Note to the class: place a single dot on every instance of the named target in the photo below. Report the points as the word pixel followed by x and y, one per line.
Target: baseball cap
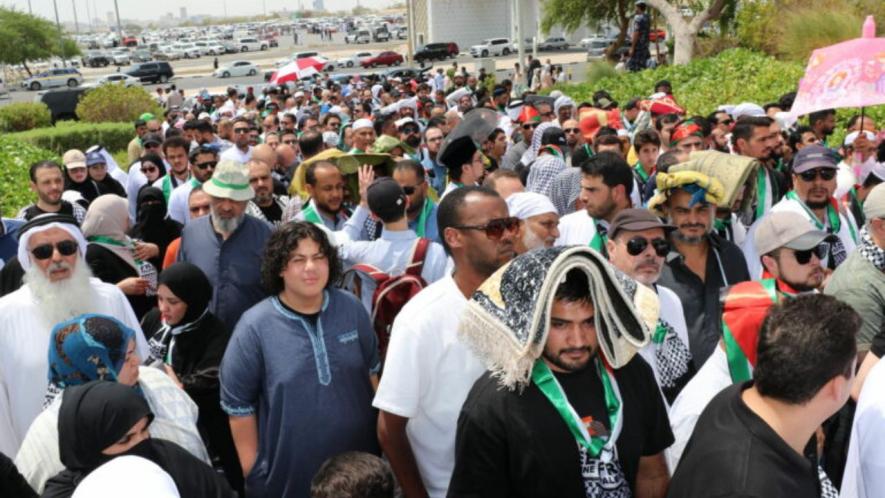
pixel 788 229
pixel 74 158
pixel 747 109
pixel 874 205
pixel 814 156
pixel 634 220
pixel 95 158
pixel 151 138
pixel 386 198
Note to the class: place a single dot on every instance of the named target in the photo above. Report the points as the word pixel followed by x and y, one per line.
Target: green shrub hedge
pixel 78 135
pixel 22 116
pixel 116 103
pixel 16 158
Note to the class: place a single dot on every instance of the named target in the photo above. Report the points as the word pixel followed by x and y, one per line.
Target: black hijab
pixel 151 223
pixel 155 160
pixel 87 188
pixel 96 415
pixel 188 282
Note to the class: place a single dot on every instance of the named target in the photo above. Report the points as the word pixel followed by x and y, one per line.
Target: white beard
pixel 64 299
pixel 532 241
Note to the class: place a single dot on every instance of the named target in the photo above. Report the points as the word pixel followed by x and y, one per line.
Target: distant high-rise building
pixel 183 12
pixel 318 5
pixel 112 19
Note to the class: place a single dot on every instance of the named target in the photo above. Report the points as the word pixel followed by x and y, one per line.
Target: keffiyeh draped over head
pixel 701 186
pixel 507 319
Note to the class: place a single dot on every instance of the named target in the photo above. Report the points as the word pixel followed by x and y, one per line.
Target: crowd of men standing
pixel 226 316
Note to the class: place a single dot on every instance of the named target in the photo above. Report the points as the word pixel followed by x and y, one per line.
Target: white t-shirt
pixel 235 154
pixel 178 209
pixel 427 375
pixel 577 228
pixel 712 378
pixel 864 475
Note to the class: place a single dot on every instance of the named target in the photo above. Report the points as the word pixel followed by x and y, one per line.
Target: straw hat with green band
pixel 230 181
pixel 385 143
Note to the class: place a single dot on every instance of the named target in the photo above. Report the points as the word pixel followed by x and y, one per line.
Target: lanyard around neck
pixel 552 390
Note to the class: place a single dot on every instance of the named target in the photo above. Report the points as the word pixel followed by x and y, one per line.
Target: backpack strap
pixel 419 252
pixel 373 272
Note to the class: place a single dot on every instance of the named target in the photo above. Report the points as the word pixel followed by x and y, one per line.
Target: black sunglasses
pixel 65 248
pixel 825 174
pixel 804 257
pixel 149 169
pixel 241 130
pixel 527 126
pixel 494 229
pixel 637 245
pixel 409 190
pixel 571 130
pixel 410 130
pixel 208 164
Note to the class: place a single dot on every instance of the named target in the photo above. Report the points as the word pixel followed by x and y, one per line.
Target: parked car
pixel 386 58
pixel 657 35
pixel 62 103
pixel 381 35
pixel 118 79
pixel 236 68
pixel 154 72
pixel 596 49
pixel 96 59
pixel 433 52
pixel 553 43
pixel 406 73
pixel 304 55
pixel 66 76
pixel 141 56
pixel 189 50
pixel 251 44
pixel 230 46
pixel 401 33
pixel 130 41
pixel 355 60
pixel 121 57
pixel 491 47
pixel 272 42
pixel 216 49
pixel 360 36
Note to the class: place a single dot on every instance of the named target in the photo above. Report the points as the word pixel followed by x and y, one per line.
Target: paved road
pixel 196 74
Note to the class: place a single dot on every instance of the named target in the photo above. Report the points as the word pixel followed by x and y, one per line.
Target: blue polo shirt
pixel 9 240
pixel 233 266
pixel 308 385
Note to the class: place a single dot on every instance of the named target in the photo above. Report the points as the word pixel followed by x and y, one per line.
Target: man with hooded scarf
pixel 58 286
pixel 567 408
pixel 549 160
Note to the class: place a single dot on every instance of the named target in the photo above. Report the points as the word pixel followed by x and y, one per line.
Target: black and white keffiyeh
pixel 870 251
pixel 507 319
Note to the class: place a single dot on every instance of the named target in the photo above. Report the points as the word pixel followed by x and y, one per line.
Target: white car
pixel 251 44
pixel 355 60
pixel 491 48
pixel 215 49
pixel 189 50
pixel 118 79
pixel 121 57
pixel 236 68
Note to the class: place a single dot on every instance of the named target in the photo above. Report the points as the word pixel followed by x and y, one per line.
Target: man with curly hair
pixel 297 377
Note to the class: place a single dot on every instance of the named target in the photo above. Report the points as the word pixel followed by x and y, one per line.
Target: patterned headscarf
pixel 87 347
pixel 507 319
pixel 701 186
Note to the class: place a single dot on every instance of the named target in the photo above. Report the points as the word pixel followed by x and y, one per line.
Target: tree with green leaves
pixel 572 14
pixel 25 37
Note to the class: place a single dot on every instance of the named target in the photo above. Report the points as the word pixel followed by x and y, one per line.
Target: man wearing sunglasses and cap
pixel 791 250
pixel 814 181
pixel 202 164
pixel 637 245
pixel 527 121
pixel 58 286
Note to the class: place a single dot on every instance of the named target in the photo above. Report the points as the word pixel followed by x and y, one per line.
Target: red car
pixel 657 35
pixel 386 58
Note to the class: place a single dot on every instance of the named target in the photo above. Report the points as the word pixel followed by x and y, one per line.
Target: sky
pixel 134 9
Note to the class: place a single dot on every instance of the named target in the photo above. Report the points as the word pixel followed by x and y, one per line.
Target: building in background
pixel 183 12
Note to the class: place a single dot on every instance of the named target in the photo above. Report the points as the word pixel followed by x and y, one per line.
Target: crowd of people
pixel 443 287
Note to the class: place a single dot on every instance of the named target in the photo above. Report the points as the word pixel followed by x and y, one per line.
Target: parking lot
pixel 196 74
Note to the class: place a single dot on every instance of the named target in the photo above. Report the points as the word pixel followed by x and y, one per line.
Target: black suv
pixel 154 72
pixel 432 51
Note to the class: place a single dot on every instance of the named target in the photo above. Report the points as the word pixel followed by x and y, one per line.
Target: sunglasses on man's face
pixel 825 174
pixel 495 228
pixel 529 126
pixel 571 130
pixel 241 130
pixel 207 164
pixel 410 130
pixel 804 257
pixel 65 248
pixel 637 246
pixel 409 189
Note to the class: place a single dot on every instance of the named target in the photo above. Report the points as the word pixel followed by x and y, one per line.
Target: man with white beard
pixel 637 245
pixel 57 286
pixel 538 221
pixel 228 245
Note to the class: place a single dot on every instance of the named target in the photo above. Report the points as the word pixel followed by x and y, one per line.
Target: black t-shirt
pixel 733 452
pixel 515 444
pixel 34 211
pixel 273 213
pixel 311 318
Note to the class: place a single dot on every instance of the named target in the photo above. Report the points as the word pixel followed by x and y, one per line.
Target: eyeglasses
pixel 572 130
pixel 494 229
pixel 241 130
pixel 727 122
pixel 637 245
pixel 150 169
pixel 410 130
pixel 207 164
pixel 804 257
pixel 825 174
pixel 65 248
pixel 527 126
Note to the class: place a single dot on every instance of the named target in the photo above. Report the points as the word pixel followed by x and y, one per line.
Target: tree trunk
pixel 683 49
pixel 684 31
pixel 25 65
